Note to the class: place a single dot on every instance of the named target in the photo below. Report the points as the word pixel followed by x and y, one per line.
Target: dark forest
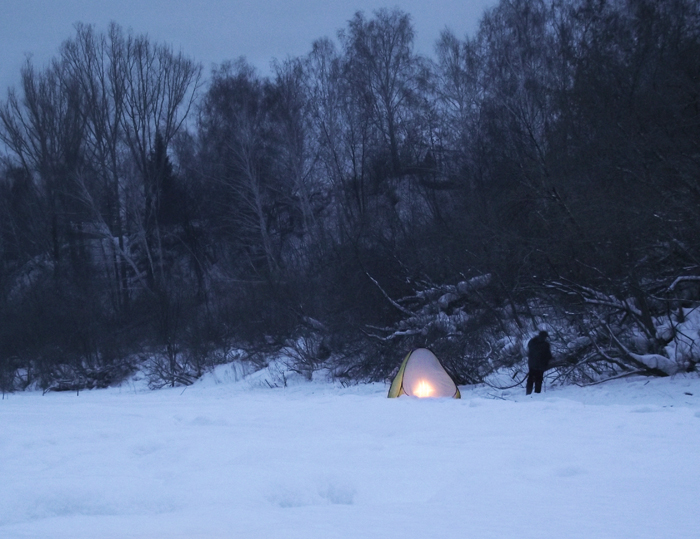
pixel 360 201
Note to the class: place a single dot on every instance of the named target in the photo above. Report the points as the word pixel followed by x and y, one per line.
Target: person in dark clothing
pixel 538 356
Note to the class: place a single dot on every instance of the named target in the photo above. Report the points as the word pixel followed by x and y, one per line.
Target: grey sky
pixel 212 31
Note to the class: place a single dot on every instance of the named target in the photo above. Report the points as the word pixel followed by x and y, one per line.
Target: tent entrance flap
pixel 421 375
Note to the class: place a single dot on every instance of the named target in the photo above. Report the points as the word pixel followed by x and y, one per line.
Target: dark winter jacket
pixel 538 353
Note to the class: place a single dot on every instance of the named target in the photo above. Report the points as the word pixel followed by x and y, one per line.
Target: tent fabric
pixel 422 375
pixel 396 389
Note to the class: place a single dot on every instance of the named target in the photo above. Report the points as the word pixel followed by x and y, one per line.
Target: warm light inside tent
pixel 424 389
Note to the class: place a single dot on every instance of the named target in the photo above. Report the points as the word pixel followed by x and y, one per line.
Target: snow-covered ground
pixel 236 459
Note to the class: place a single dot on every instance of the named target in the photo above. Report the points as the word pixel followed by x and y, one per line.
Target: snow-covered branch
pixel 681 279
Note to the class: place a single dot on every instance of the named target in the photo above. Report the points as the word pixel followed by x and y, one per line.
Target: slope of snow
pixel 232 458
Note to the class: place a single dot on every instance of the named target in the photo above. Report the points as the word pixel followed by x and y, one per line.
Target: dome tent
pixel 422 375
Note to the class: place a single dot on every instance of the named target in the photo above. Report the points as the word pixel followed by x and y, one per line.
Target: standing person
pixel 538 356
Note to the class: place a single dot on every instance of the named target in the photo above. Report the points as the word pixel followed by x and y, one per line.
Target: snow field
pixel 619 460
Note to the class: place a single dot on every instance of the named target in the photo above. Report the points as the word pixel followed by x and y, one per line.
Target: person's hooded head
pixel 543 335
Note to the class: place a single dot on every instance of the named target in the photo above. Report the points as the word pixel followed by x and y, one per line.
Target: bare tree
pixel 45 130
pixel 385 72
pixel 160 89
pixel 234 125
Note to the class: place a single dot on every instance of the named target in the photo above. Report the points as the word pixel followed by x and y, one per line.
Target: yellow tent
pixel 422 375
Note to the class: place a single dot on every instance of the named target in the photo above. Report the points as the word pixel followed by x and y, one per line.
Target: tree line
pixel 359 201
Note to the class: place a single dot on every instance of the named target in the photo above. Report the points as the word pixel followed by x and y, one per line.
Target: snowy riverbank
pixel 234 459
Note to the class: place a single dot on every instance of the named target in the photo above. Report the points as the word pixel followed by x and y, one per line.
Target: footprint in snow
pixel 644 410
pixel 569 471
pixel 326 493
pixel 146 449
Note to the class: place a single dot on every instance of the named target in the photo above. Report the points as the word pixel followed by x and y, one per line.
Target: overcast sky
pixel 212 31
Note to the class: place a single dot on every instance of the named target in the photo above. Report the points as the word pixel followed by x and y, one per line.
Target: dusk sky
pixel 211 31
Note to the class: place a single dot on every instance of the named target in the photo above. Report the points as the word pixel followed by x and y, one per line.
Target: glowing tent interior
pixel 422 375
